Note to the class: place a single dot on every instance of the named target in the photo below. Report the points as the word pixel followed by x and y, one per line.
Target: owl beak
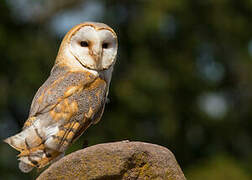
pixel 96 53
pixel 97 57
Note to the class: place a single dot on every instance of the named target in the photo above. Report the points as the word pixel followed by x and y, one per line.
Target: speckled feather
pixel 71 112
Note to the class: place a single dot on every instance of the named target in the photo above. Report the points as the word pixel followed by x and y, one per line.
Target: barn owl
pixel 71 99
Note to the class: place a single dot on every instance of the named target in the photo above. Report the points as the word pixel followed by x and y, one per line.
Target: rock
pixel 118 160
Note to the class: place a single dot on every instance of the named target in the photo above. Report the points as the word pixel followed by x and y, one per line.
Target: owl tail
pixel 33 152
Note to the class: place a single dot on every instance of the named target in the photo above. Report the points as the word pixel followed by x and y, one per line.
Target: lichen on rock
pixel 119 160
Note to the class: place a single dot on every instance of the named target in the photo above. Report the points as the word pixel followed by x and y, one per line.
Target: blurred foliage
pixel 219 167
pixel 182 79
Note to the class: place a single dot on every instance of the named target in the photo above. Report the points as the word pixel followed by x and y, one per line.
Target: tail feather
pixel 25 139
pixel 17 142
pixel 24 167
pixel 33 152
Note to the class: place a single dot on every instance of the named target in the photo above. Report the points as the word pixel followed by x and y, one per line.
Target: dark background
pixel 183 77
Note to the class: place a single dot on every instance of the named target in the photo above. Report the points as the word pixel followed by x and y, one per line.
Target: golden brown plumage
pixel 71 99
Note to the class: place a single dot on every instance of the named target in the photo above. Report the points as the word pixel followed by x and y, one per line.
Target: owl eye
pixel 105 45
pixel 84 44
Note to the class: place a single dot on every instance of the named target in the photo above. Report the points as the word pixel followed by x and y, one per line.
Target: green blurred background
pixel 183 78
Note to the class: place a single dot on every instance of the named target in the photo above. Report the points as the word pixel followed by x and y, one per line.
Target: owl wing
pixel 59 85
pixel 86 106
pixel 65 106
pixel 62 109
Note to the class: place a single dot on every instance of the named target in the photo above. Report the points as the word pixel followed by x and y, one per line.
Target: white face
pixel 94 49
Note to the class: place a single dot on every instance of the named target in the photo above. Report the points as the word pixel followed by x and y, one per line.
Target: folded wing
pixel 62 109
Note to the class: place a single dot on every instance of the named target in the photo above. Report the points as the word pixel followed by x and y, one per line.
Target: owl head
pixel 93 45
